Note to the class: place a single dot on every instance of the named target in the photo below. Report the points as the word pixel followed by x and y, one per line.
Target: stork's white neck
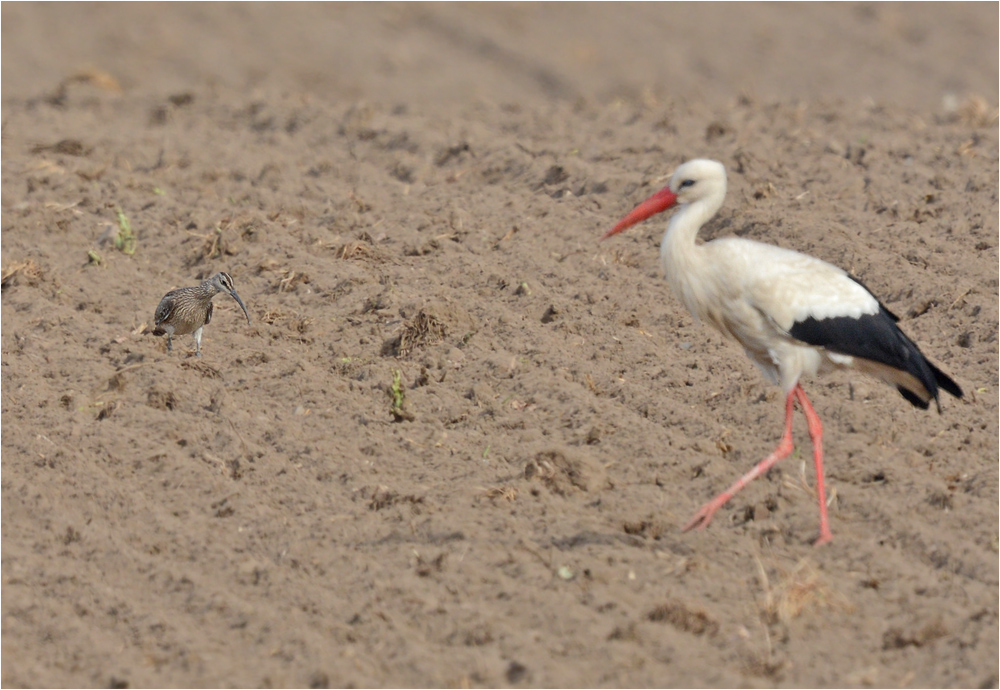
pixel 679 247
pixel 682 258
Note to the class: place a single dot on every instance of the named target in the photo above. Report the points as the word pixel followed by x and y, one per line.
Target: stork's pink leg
pixel 704 515
pixel 816 434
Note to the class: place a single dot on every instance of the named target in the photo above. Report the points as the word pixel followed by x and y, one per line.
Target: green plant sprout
pixel 125 240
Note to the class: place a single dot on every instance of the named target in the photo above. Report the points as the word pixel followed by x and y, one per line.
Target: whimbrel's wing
pixel 165 308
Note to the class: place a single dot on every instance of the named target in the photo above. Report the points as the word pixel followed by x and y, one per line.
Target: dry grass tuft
pixel 625 257
pixel 800 484
pixel 225 238
pixel 289 279
pixel 96 78
pixel 652 529
pixel 271 316
pixel 975 112
pixel 89 76
pixel 565 471
pixel 26 270
pixel 213 245
pixel 508 493
pixel 796 591
pixel 108 409
pixel 359 251
pixel 422 329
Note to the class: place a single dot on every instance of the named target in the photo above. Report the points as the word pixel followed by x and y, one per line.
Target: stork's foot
pixel 706 513
pixel 825 537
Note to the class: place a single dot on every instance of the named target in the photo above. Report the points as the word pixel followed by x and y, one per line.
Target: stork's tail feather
pixel 932 384
pixel 945 381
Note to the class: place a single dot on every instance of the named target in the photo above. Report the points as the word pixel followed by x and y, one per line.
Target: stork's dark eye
pixel 686 183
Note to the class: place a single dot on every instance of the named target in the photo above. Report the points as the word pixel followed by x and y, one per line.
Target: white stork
pixel 793 314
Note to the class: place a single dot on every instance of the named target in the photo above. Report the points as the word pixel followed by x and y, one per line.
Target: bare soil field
pixel 457 443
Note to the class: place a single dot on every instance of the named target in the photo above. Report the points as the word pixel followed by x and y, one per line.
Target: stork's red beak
pixel 657 203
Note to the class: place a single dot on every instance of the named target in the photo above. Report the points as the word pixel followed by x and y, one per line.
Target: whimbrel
pixel 188 310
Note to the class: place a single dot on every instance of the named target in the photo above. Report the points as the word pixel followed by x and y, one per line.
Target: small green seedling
pixel 398 401
pixel 125 240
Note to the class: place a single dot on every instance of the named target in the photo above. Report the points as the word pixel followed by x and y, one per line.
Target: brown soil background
pixel 420 189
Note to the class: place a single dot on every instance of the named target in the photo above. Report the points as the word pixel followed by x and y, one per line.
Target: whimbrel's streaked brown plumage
pixel 188 310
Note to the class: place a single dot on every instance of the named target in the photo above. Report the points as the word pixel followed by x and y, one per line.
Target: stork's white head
pixel 697 180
